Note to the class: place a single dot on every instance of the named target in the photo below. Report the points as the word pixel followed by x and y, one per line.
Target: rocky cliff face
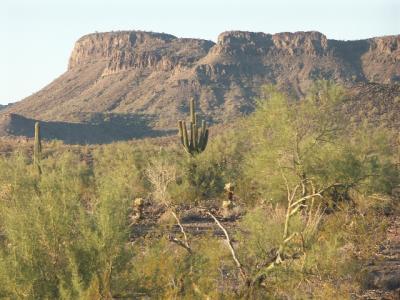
pixel 123 51
pixel 381 63
pixel 286 43
pixel 154 74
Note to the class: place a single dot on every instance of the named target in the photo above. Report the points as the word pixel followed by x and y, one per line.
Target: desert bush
pixel 206 174
pixel 61 237
pixel 179 274
pixel 161 175
pixel 334 256
pixel 312 142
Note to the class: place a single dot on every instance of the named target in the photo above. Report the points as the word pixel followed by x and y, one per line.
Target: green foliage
pixel 202 177
pixel 179 275
pixel 59 236
pixel 264 228
pixel 67 233
pixel 311 140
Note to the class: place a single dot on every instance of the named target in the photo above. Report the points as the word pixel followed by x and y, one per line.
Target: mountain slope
pixel 152 74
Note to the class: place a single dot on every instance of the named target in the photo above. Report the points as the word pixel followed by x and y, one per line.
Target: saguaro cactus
pixel 196 141
pixel 37 148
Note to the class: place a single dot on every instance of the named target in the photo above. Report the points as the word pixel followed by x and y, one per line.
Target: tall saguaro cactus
pixel 37 148
pixel 196 141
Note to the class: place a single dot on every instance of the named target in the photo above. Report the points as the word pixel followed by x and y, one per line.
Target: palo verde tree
pixel 194 142
pixel 313 142
pixel 305 158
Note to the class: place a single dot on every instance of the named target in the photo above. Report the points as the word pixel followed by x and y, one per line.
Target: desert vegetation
pixel 290 202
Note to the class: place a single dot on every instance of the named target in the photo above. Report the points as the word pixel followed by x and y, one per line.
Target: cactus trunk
pixel 37 148
pixel 198 135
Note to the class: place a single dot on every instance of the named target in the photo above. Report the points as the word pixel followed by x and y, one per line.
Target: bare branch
pixel 186 243
pixel 180 243
pixel 290 237
pixel 294 211
pixel 305 198
pixel 229 242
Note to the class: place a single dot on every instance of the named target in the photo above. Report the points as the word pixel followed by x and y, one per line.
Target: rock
pixel 148 77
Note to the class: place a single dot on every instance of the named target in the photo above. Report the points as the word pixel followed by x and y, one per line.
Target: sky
pixel 37 36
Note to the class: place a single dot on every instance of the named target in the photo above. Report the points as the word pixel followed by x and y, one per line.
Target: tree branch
pixel 229 242
pixel 186 243
pixel 180 243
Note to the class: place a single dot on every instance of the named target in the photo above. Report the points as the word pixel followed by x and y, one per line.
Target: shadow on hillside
pixel 98 129
pixel 351 52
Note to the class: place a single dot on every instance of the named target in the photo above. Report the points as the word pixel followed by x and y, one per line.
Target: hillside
pixel 131 75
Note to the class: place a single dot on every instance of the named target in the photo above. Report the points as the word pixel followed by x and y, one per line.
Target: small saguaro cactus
pixel 228 205
pixel 229 188
pixel 137 210
pixel 37 148
pixel 196 142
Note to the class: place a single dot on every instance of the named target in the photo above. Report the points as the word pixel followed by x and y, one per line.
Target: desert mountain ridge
pixel 136 83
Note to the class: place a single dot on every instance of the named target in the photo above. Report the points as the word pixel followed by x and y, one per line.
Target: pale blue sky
pixel 37 36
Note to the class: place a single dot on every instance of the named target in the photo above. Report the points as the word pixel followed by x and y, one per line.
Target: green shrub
pixel 61 235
